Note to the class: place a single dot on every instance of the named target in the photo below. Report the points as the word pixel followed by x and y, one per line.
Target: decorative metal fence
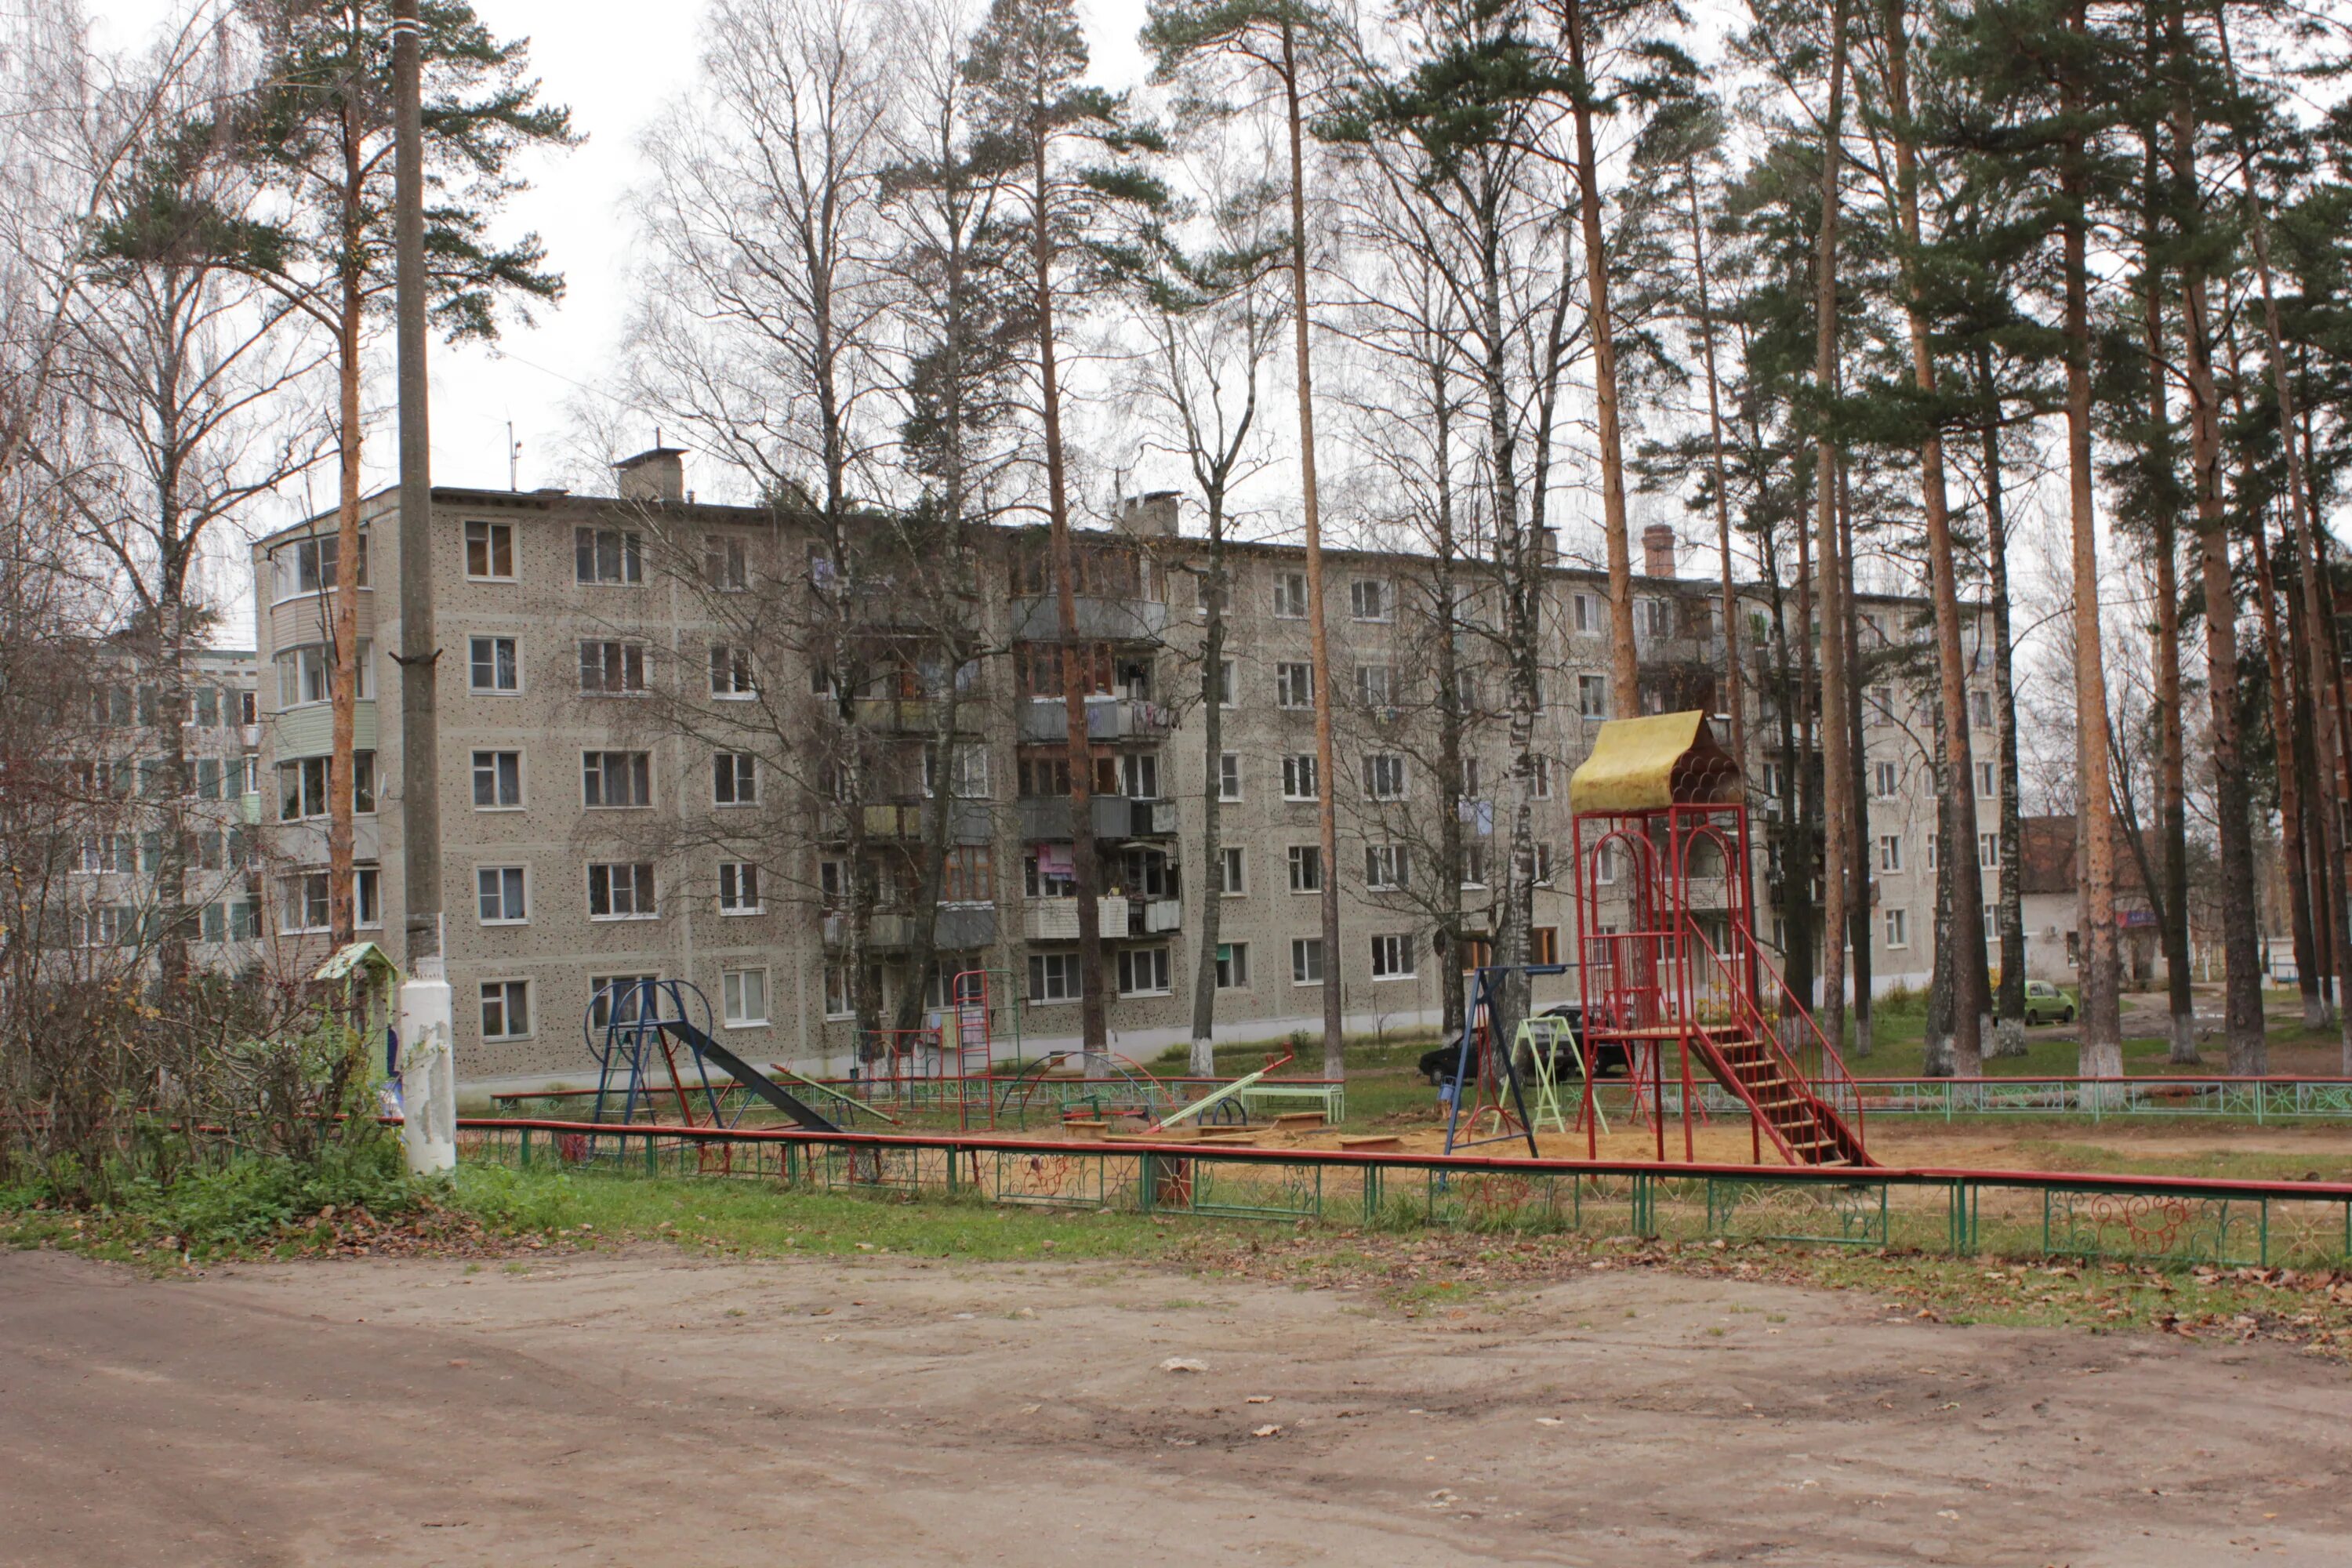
pixel 2005 1213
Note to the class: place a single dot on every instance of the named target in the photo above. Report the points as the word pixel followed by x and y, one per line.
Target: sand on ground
pixel 642 1408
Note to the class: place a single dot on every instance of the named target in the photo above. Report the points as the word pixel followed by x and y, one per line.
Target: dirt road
pixel 641 1409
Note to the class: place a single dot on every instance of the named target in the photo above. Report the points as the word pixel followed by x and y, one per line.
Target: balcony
pixel 919 715
pixel 968 821
pixel 1151 917
pixel 954 927
pixel 1057 920
pixel 1119 719
pixel 310 731
pixel 1035 618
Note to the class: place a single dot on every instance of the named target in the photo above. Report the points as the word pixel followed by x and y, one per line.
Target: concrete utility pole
pixel 428 1088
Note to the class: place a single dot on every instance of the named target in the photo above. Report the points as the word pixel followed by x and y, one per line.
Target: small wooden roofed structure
pixel 1651 764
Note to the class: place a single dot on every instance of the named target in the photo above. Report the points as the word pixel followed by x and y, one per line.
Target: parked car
pixel 1437 1066
pixel 2045 1002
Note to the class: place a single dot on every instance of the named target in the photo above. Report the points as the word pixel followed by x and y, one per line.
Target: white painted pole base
pixel 428 1079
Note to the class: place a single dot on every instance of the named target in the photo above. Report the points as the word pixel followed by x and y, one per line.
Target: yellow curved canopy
pixel 1652 762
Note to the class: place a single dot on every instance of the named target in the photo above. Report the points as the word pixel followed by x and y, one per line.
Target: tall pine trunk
pixel 1837 770
pixel 1335 1059
pixel 2100 1053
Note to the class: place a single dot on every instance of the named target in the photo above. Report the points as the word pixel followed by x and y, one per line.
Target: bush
pixel 254 1198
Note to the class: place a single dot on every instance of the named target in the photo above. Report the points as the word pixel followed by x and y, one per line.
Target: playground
pixel 643 1408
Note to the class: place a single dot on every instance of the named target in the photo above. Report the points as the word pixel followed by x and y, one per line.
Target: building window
pixel 1294 685
pixel 1882 780
pixel 248 707
pixel 1367 599
pixel 1392 957
pixel 607 556
pixel 1899 928
pixel 1229 776
pixel 1232 965
pixel 731 672
pixel 839 1000
pixel 367 895
pixel 1053 977
pixel 1307 960
pixel 1604 864
pixel 738 886
pixel 1988 850
pixel 498 781
pixel 1143 971
pixel 1305 869
pixel 1474 865
pixel 305 675
pixel 1987 783
pixel 1882 705
pixel 621 890
pixel 1384 775
pixel 489 552
pixel 1890 852
pixel 494 666
pixel 1298 777
pixel 303 904
pixel 612 668
pixel 1657 618
pixel 308 565
pixel 1931 851
pixel 1290 595
pixel 1592 696
pixel 1981 710
pixel 743 993
pixel 506 1009
pixel 1387 866
pixel 1584 612
pixel 734 779
pixel 1540 776
pixel 1543 945
pixel 498 893
pixel 1232 868
pixel 1224 683
pixel 616 778
pixel 302 789
pixel 1372 685
pixel 1139 773
pixel 1542 867
pixel 725 565
pixel 618 998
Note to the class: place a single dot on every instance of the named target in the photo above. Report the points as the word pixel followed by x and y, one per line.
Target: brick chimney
pixel 1658 550
pixel 1154 514
pixel 656 474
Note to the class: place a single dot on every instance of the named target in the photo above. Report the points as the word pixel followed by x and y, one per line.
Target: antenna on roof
pixel 514 452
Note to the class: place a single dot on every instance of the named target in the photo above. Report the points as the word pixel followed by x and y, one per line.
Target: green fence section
pixel 2001 1213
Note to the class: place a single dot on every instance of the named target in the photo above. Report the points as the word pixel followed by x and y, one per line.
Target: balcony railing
pixel 1035 618
pixel 954 927
pixel 968 821
pixel 1117 719
pixel 1048 818
pixel 1057 920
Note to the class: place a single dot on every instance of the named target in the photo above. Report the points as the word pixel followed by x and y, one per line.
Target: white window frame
pixel 1393 956
pixel 1890 852
pixel 1302 859
pixel 1898 927
pixel 1229 777
pixel 474 646
pixel 1232 969
pixel 1290 595
pixel 1388 868
pixel 643 887
pixel 522 794
pixel 1307 960
pixel 632 770
pixel 1071 980
pixel 508 987
pixel 1368 600
pixel 1298 767
pixel 1294 686
pixel 523 885
pixel 1232 871
pixel 493 535
pixel 1385 777
pixel 735 879
pixel 628 549
pixel 734 781
pixel 731 679
pixel 733 1015
pixel 629 655
pixel 1133 961
pixel 1592 696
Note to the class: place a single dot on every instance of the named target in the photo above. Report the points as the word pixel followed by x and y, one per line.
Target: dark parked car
pixel 1437 1066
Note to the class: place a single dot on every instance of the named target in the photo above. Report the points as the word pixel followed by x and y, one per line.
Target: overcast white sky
pixel 612 64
